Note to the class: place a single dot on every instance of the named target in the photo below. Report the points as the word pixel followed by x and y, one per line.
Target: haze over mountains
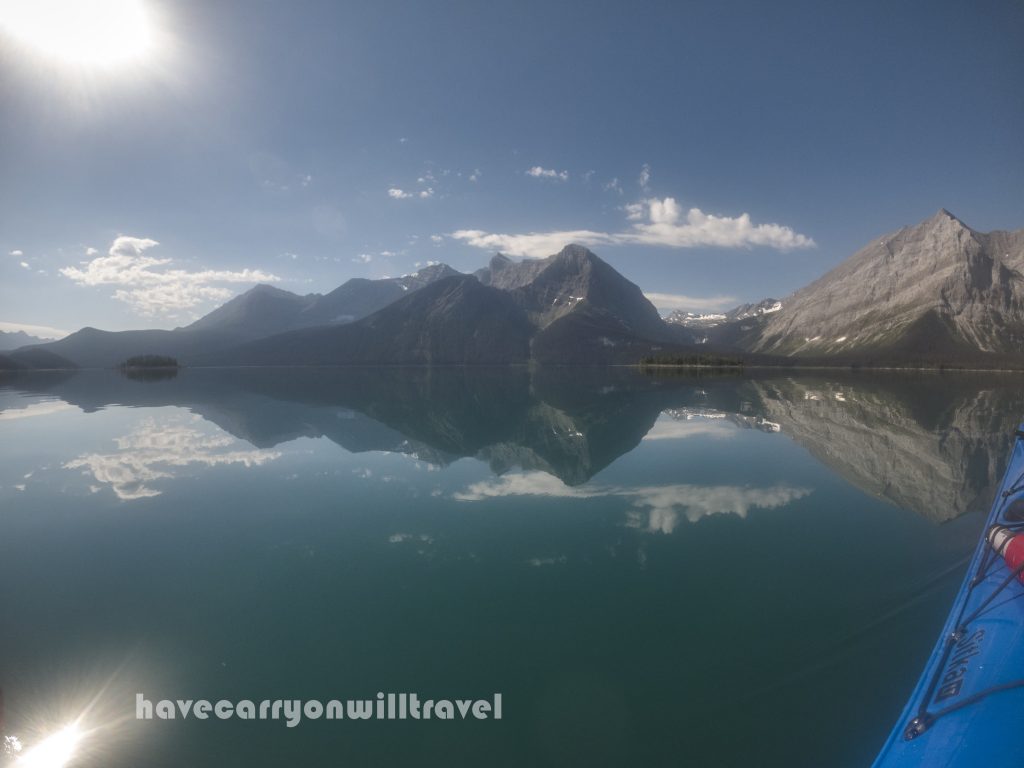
pixel 934 293
pixel 15 339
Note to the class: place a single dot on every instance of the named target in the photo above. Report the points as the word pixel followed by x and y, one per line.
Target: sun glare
pixel 99 34
pixel 55 751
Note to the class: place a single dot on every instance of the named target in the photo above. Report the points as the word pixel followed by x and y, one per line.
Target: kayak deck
pixel 968 707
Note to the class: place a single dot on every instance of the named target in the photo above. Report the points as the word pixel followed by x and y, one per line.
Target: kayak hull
pixel 968 707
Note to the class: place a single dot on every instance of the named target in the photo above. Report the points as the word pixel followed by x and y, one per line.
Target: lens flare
pixel 97 34
pixel 55 751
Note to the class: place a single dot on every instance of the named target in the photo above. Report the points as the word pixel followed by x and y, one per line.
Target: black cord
pixel 924 719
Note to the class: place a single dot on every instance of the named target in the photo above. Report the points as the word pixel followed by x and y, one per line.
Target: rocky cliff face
pixel 935 290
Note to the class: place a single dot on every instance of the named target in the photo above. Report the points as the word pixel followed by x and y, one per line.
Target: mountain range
pixel 936 293
pixel 569 308
pixel 708 320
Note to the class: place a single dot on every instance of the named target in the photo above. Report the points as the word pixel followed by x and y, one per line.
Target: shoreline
pixel 529 364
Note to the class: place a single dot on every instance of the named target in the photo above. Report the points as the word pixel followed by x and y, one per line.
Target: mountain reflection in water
pixel 931 443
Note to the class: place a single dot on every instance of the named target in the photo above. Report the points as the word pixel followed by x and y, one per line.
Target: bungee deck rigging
pixel 968 706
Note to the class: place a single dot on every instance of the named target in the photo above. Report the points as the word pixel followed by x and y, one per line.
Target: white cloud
pixel 655 509
pixel 42 331
pixel 32 410
pixel 654 222
pixel 91 251
pixel 399 194
pixel 666 226
pixel 547 173
pixel 150 286
pixel 436 239
pixel 428 192
pixel 666 301
pixel 644 179
pixel 160 450
pixel 532 245
pixel 672 429
pixel 24 265
pixel 527 484
pixel 659 509
pixel 363 258
pixel 476 174
pixel 17 253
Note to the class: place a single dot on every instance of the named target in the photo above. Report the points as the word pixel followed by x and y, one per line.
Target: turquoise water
pixel 666 570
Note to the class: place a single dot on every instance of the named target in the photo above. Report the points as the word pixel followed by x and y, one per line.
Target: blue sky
pixel 307 142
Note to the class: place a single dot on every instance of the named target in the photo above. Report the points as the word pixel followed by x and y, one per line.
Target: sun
pixel 94 34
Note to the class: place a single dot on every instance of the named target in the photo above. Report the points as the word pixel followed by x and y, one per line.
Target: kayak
pixel 968 706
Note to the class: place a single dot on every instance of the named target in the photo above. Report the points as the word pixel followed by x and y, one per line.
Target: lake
pixel 670 569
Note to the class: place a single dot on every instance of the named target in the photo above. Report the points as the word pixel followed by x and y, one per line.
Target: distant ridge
pixel 15 339
pixel 569 308
pixel 261 311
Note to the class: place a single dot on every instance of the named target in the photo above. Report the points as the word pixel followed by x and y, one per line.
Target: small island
pixel 690 361
pixel 150 367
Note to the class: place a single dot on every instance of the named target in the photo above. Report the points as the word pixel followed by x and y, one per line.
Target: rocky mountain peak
pixel 576 253
pixel 943 223
pixel 499 261
pixel 937 290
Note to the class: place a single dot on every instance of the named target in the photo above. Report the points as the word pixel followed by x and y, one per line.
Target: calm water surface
pixel 714 571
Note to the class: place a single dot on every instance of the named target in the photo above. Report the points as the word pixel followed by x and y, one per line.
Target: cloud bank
pixel 150 286
pixel 654 222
